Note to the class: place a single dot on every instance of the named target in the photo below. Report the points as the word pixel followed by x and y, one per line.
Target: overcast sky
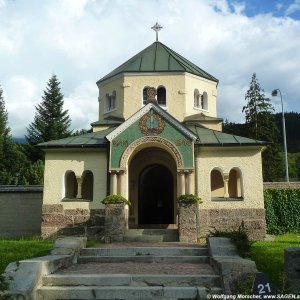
pixel 82 40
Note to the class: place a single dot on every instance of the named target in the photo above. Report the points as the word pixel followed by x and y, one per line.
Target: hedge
pixel 282 210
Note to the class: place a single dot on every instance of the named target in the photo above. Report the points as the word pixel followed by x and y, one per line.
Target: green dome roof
pixel 158 58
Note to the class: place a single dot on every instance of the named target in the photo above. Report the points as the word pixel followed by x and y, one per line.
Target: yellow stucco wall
pixel 108 87
pixel 56 165
pixel 179 93
pixel 247 160
pixel 193 82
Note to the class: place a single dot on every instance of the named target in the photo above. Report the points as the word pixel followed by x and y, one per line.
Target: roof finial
pixel 157 28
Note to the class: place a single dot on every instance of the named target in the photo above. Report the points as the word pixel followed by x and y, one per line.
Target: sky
pixel 82 40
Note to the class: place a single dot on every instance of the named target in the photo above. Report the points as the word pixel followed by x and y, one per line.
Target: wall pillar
pixel 181 183
pixel 226 179
pixel 114 183
pixel 190 186
pixel 79 187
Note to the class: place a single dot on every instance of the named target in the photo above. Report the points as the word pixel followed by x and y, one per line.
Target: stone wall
pixel 115 222
pixel 282 185
pixel 20 210
pixel 228 219
pixel 57 221
pixel 187 222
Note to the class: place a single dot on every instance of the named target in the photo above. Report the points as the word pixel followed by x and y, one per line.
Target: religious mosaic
pixel 152 124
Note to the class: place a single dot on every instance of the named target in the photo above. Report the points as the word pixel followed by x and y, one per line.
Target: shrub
pixel 282 210
pixel 189 198
pixel 239 237
pixel 115 199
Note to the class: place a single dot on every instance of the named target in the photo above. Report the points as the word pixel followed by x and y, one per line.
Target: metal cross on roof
pixel 157 28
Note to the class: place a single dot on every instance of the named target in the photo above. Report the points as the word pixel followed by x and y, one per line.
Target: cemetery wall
pixel 20 210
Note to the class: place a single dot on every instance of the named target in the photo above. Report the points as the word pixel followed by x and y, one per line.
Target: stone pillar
pixel 79 187
pixel 189 189
pixel 226 179
pixel 187 222
pixel 181 183
pixel 115 222
pixel 114 183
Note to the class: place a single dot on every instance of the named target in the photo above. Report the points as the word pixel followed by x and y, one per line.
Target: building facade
pixel 157 137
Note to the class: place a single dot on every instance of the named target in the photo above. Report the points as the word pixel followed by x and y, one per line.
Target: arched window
pixel 70 185
pixel 110 101
pixel 204 101
pixel 235 183
pixel 197 98
pixel 87 185
pixel 161 96
pixel 145 95
pixel 113 100
pixel 217 184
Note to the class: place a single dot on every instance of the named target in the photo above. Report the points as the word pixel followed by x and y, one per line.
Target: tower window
pixel 161 96
pixel 145 95
pixel 110 101
pixel 197 98
pixel 204 101
pixel 200 101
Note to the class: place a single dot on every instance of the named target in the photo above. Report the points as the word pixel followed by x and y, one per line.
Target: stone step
pixel 124 292
pixel 142 251
pixel 151 235
pixel 70 279
pixel 144 259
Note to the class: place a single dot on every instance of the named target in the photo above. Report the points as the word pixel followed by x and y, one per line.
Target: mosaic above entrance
pixel 151 127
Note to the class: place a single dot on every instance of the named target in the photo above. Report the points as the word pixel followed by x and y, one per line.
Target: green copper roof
pixel 209 137
pixel 158 58
pixel 89 140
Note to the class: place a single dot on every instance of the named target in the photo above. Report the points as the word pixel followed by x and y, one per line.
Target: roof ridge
pixel 195 67
pixel 171 54
pixel 175 63
pixel 123 64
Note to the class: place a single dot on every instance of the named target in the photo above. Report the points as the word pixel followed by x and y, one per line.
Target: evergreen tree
pixel 261 125
pixel 12 159
pixel 4 129
pixel 51 122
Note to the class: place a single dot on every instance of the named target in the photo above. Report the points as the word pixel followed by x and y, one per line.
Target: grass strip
pixel 269 257
pixel 19 249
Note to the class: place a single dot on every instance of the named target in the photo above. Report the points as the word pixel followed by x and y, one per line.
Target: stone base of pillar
pixel 115 222
pixel 187 222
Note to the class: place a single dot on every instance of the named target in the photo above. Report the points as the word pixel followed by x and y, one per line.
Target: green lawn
pixel 16 250
pixel 269 257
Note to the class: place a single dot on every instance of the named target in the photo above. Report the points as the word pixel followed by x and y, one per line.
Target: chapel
pixel 157 137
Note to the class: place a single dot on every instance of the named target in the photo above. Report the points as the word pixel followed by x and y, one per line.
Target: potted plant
pixel 115 199
pixel 189 199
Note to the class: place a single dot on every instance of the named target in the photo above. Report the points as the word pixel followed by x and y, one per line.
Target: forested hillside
pixel 292 123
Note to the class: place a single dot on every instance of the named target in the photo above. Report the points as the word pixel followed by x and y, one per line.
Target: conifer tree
pixel 261 125
pixel 12 159
pixel 51 122
pixel 4 129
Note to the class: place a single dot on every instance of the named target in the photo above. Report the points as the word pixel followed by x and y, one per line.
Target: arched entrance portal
pixel 152 188
pixel 156 195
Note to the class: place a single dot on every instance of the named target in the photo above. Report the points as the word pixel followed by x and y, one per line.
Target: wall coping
pixel 282 185
pixel 21 188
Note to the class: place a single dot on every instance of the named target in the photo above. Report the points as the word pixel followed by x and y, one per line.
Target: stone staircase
pixel 151 235
pixel 169 271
